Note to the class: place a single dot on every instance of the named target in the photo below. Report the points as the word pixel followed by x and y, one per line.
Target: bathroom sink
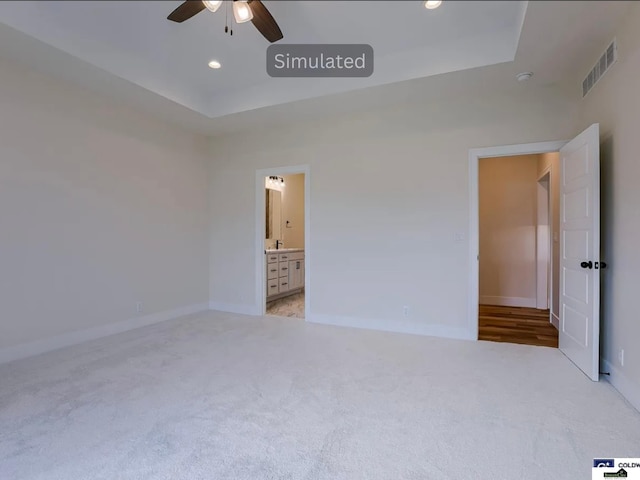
pixel 284 250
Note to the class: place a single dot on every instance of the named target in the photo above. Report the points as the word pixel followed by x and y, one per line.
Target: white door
pixel 580 251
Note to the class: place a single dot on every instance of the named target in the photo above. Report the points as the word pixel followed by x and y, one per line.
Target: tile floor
pixel 291 306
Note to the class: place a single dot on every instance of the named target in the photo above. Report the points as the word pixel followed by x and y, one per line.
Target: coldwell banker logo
pixel 622 473
pixel 320 60
pixel 616 468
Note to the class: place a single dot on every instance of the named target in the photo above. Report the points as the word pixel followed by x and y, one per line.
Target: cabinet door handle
pixel 284 268
pixel 274 270
pixel 285 283
pixel 274 286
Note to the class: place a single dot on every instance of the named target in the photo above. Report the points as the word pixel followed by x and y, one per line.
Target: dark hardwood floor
pixel 528 326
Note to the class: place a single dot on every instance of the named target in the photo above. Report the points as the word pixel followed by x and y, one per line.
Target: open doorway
pixel 577 239
pixel 284 245
pixel 518 275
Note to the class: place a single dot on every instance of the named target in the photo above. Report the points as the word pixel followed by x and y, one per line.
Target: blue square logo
pixel 603 462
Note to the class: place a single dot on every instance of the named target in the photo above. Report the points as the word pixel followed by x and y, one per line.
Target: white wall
pixel 293 211
pixel 507 193
pixel 389 191
pixel 615 103
pixel 551 162
pixel 100 207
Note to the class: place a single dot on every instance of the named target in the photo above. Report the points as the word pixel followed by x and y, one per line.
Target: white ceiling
pixel 139 61
pixel 134 41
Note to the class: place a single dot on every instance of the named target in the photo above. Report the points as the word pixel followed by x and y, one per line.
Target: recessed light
pixel 524 76
pixel 431 4
pixel 215 64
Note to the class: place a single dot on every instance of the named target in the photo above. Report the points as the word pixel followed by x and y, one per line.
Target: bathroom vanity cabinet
pixel 285 272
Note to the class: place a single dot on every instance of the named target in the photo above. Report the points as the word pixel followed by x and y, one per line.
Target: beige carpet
pixel 221 396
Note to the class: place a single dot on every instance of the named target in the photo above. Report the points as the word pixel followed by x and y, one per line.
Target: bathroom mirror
pixel 274 214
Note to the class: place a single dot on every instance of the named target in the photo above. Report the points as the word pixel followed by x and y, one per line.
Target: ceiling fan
pixel 243 11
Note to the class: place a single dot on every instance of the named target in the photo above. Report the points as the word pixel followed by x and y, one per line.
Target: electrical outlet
pixel 405 311
pixel 621 357
pixel 138 307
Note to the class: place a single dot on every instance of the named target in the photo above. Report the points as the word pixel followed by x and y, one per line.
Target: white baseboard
pixel 627 388
pixel 508 301
pixel 555 321
pixel 235 308
pixel 443 331
pixel 30 349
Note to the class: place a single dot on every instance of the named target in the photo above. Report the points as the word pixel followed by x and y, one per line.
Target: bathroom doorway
pixel 283 248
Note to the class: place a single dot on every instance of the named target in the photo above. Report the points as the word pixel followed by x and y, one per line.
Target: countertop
pixel 283 250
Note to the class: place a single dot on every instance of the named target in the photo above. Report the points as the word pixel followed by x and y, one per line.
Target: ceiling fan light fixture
pixel 242 11
pixel 431 4
pixel 215 64
pixel 212 5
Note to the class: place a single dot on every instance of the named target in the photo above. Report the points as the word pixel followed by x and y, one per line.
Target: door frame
pixel 544 243
pixel 260 267
pixel 475 154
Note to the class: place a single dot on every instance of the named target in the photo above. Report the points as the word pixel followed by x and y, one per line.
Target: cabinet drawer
pixel 284 284
pixel 272 270
pixel 296 256
pixel 283 269
pixel 272 287
pixel 284 257
pixel 272 257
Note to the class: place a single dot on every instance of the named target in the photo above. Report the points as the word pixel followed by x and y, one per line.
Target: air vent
pixel 607 59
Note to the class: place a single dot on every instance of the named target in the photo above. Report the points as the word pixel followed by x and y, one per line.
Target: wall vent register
pixel 603 65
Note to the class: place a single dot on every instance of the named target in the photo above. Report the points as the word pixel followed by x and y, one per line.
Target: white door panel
pixel 576 244
pixel 577 205
pixel 576 165
pixel 576 286
pixel 580 251
pixel 575 326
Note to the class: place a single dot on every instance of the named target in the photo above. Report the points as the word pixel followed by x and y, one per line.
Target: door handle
pixel 588 264
pixel 601 265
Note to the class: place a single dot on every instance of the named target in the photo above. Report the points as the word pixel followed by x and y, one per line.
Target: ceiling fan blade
pixel 264 22
pixel 185 11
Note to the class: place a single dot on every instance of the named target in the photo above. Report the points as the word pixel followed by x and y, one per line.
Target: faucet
pixel 279 243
